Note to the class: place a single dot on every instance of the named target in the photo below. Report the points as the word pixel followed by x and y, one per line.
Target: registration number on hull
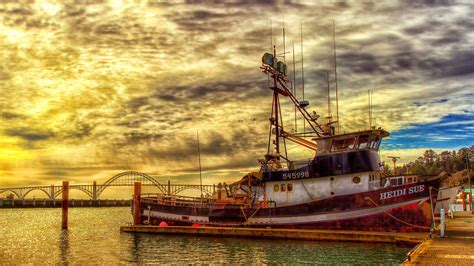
pixel 296 175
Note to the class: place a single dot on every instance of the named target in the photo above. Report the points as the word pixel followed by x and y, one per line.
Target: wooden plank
pixel 457 248
pixel 294 234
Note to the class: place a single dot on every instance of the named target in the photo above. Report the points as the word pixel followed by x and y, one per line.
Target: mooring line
pixel 395 218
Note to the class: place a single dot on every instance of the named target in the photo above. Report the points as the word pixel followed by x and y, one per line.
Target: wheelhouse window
pixel 363 141
pixel 276 188
pixel 393 182
pixel 343 144
pixel 375 143
pixel 289 187
pixel 283 187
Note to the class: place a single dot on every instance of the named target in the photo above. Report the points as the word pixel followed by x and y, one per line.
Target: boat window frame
pixel 276 188
pixel 375 142
pixel 367 143
pixel 345 147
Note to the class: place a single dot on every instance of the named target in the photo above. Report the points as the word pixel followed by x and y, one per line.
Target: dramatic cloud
pixel 89 90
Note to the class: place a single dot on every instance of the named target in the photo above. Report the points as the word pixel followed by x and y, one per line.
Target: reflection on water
pixel 64 246
pixel 34 236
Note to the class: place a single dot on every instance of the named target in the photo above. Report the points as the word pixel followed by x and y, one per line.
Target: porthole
pixel 332 178
pixel 289 187
pixel 276 188
pixel 283 187
pixel 356 180
pixel 332 193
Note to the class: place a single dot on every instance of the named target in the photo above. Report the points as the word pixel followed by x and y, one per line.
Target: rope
pixel 395 218
pixel 243 212
pixel 259 207
pixel 304 186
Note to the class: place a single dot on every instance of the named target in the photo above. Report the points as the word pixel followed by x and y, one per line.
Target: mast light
pixel 268 59
pixel 304 103
pixel 281 67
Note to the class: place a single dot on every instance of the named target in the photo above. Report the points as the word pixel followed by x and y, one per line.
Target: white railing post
pixel 442 223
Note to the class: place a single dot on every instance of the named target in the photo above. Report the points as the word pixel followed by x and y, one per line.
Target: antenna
pixel 271 34
pixel 394 160
pixel 329 98
pixel 200 170
pixel 335 77
pixel 294 84
pixel 369 107
pixel 284 50
pixel 271 47
pixel 302 72
pixel 371 115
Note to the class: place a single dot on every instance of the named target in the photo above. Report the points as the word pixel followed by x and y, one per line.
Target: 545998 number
pixel 296 175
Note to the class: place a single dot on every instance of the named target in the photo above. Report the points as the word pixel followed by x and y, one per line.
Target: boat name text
pixel 402 192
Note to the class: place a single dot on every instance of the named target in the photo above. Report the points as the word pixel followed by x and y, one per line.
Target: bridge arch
pixel 80 188
pixel 18 195
pixel 127 178
pixel 33 189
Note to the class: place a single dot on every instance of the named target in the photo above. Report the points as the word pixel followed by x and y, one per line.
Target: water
pixel 34 236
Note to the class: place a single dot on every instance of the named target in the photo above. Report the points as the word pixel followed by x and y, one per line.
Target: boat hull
pixel 404 208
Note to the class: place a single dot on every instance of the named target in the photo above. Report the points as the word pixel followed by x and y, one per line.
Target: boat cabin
pixel 362 140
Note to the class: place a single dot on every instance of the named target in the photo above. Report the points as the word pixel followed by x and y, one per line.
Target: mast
pixel 335 77
pixel 200 170
pixel 294 84
pixel 369 95
pixel 329 99
pixel 302 72
pixel 284 49
pixel 275 102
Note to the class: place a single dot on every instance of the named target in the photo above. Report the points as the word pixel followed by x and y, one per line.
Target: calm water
pixel 33 236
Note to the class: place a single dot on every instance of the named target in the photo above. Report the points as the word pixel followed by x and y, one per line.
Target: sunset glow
pixel 88 91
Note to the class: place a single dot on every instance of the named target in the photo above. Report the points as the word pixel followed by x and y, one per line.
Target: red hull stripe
pixel 327 217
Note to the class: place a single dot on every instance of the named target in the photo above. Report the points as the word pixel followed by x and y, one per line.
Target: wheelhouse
pixel 363 140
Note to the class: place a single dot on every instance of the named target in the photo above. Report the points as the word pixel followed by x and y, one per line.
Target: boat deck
pixel 457 248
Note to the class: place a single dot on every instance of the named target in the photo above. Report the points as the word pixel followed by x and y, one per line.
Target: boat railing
pixel 177 200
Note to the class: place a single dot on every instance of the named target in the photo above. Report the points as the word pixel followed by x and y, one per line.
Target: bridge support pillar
pixel 169 187
pixel 51 192
pixel 94 190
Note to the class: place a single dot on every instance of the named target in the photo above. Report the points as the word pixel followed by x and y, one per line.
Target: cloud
pixel 29 134
pixel 92 88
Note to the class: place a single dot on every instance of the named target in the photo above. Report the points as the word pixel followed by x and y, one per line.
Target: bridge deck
pixel 123 179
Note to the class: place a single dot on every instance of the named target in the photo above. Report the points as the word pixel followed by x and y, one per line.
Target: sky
pixel 94 88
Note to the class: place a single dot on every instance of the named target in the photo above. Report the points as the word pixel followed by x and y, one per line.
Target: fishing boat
pixel 341 186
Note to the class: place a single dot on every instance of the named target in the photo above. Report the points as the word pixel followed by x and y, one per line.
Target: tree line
pixel 433 163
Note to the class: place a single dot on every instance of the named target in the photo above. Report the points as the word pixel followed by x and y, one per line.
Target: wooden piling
pixel 65 204
pixel 137 190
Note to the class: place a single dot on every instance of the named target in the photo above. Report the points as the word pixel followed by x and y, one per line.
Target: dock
pixel 456 248
pixel 293 234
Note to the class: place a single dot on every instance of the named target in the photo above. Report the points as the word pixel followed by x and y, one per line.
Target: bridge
pixel 123 179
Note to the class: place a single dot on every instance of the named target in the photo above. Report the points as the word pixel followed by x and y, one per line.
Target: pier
pixel 456 248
